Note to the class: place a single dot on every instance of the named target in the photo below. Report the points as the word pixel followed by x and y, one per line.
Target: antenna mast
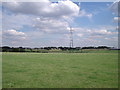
pixel 71 38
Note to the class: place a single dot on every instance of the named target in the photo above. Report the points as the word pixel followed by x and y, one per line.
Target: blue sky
pixel 102 15
pixel 47 24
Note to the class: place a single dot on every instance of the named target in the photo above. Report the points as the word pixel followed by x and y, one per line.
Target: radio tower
pixel 71 38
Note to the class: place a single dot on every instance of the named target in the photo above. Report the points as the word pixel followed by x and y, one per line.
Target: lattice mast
pixel 71 37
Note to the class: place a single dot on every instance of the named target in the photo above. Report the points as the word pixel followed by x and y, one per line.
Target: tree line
pixel 46 49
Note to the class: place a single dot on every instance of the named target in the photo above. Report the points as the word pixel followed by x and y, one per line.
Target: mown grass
pixel 60 70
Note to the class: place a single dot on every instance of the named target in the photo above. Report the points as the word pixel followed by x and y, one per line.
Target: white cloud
pixel 83 13
pixel 100 32
pixel 43 16
pixel 14 33
pixel 95 33
pixel 11 36
pixel 62 13
pixel 44 8
pixel 51 25
pixel 116 19
pixel 107 30
pixel 15 21
pixel 79 34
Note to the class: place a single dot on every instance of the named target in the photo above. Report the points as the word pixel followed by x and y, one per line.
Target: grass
pixel 60 70
pixel 0 70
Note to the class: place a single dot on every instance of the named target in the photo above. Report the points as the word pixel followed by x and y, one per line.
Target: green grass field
pixel 60 70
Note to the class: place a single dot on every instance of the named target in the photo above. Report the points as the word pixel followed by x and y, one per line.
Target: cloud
pixel 95 33
pixel 10 36
pixel 51 25
pixel 44 8
pixel 103 30
pixel 83 13
pixel 79 34
pixel 100 32
pixel 14 33
pixel 15 21
pixel 43 16
pixel 116 19
pixel 112 39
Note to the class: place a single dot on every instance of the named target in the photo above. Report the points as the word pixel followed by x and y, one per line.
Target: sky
pixel 45 23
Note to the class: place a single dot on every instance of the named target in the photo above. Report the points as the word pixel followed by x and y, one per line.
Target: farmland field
pixel 60 70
